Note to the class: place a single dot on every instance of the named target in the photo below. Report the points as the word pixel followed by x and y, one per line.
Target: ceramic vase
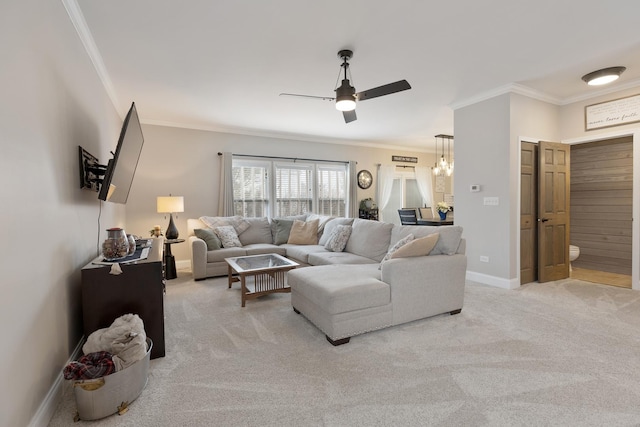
pixel 443 215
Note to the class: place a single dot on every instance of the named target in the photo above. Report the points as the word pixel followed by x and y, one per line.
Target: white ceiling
pixel 221 64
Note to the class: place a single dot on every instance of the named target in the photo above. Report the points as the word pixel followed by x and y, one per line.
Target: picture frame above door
pixel 621 111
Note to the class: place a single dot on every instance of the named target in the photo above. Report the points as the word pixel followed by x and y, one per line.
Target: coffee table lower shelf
pixel 267 279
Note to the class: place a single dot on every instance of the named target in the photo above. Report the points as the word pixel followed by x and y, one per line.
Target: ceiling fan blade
pixel 323 98
pixel 349 116
pixel 383 90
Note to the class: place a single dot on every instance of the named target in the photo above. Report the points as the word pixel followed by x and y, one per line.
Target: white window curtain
pixel 386 174
pixel 225 195
pixel 425 186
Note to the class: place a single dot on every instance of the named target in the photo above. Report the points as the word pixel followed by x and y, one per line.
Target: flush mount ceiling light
pixel 604 76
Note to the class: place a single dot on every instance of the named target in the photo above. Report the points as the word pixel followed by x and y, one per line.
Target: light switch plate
pixel 491 201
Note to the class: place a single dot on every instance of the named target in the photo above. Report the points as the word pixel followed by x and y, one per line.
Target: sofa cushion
pixel 228 236
pixel 322 221
pixel 264 248
pixel 301 252
pixel 304 233
pixel 238 222
pixel 209 237
pixel 259 231
pixel 281 230
pixel 450 236
pixel 369 238
pixel 417 247
pixel 341 288
pixel 339 238
pixel 221 254
pixel 330 226
pixel 327 258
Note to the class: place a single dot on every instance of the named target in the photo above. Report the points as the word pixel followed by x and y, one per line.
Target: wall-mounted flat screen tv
pixel 122 167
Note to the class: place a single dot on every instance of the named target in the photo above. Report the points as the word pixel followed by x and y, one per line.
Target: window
pixel 294 192
pixel 284 188
pixel 250 190
pixel 332 190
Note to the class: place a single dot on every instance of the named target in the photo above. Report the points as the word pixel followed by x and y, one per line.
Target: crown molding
pixel 286 136
pixel 617 88
pixel 80 24
pixel 509 88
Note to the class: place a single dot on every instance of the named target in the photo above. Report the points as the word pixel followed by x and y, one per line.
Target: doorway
pixel 601 192
pixel 601 210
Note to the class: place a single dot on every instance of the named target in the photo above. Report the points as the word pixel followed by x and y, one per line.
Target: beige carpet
pixel 562 353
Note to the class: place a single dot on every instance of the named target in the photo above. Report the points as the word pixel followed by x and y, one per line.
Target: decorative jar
pixel 132 244
pixel 116 246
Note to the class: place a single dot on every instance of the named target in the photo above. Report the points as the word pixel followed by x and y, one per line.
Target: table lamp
pixel 171 205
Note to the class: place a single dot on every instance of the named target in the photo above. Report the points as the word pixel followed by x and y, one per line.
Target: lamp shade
pixel 170 204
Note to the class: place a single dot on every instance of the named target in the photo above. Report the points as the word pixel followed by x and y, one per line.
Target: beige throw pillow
pixel 304 233
pixel 417 247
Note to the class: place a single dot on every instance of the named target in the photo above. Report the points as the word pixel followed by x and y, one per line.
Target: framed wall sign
pixel 404 159
pixel 618 112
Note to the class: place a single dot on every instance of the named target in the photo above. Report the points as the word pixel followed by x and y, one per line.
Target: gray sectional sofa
pixel 354 291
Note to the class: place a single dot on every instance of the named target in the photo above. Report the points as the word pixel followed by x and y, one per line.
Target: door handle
pixel 543 219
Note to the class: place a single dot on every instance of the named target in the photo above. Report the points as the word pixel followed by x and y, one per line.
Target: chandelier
pixel 443 165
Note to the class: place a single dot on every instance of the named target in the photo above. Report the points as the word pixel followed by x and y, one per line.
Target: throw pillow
pixel 400 243
pixel 338 239
pixel 228 236
pixel 238 223
pixel 282 230
pixel 304 233
pixel 417 247
pixel 330 226
pixel 209 237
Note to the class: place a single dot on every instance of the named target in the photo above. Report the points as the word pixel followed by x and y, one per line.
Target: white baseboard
pixel 498 282
pixel 54 396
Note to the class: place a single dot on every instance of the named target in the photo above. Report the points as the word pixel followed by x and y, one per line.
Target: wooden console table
pixel 138 290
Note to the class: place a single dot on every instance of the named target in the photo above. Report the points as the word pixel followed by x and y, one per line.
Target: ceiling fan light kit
pixel 346 95
pixel 604 76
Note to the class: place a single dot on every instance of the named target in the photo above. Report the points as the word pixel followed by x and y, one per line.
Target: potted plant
pixel 366 203
pixel 443 208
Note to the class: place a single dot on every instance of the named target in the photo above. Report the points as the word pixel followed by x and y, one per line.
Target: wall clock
pixel 364 179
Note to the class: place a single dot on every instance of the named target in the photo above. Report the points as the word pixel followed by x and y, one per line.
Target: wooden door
pixel 528 212
pixel 553 211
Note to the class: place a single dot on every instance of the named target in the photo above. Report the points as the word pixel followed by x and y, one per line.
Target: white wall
pixel 482 157
pixel 185 162
pixel 52 101
pixel 488 136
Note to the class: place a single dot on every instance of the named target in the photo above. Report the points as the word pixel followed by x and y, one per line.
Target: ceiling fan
pixel 346 95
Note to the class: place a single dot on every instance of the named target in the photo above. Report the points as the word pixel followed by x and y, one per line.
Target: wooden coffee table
pixel 268 272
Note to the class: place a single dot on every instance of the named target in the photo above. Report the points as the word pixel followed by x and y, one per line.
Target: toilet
pixel 574 253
